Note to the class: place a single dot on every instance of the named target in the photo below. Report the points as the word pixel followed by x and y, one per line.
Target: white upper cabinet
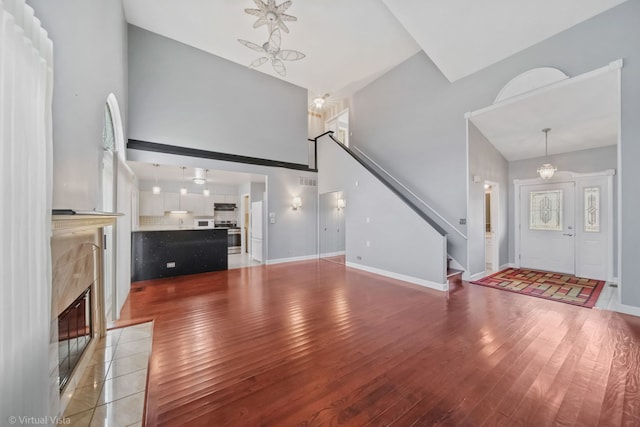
pixel 171 201
pixel 233 198
pixel 194 203
pixel 150 204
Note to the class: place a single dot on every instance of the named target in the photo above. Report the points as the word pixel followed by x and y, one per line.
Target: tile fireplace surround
pixel 76 259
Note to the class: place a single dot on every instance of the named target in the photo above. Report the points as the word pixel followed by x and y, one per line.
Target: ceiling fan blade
pixel 283 26
pixel 261 5
pixel 258 62
pixel 284 6
pixel 274 40
pixel 252 46
pixel 279 67
pixel 290 55
pixel 260 22
pixel 254 12
pixel 288 18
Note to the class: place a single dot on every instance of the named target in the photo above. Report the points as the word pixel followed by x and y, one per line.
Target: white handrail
pixel 411 192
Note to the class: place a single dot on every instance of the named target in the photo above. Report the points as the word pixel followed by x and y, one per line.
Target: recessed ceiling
pixel 582 114
pixel 172 173
pixel 350 43
pixel 464 36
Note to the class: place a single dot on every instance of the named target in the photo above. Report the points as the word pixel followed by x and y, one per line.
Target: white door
pixel 594 243
pixel 547 227
pixel 256 231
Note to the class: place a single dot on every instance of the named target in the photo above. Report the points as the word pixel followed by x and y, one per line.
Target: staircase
pixel 436 248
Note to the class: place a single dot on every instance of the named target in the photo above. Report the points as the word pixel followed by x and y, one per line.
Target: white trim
pixel 626 309
pixel 328 254
pixel 612 66
pixel 507 265
pixel 619 179
pixel 455 264
pixel 398 276
pixel 292 259
pixel 479 275
pixel 467 195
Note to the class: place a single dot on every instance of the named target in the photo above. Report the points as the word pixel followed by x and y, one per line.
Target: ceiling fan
pixel 271 15
pixel 273 52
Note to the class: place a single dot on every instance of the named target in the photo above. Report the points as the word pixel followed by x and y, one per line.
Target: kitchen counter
pixel 169 252
pixel 177 228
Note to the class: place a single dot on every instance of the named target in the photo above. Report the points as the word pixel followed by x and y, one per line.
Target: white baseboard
pixel 398 276
pixel 330 254
pixel 293 259
pixel 476 276
pixel 507 265
pixel 626 309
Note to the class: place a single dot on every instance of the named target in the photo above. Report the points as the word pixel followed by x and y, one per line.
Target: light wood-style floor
pixel 317 343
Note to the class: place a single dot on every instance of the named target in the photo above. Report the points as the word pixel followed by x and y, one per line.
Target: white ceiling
pixel 349 43
pixel 582 114
pixel 172 173
pixel 465 36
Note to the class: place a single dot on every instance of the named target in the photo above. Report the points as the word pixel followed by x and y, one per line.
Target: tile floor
pixel 241 260
pixel 112 389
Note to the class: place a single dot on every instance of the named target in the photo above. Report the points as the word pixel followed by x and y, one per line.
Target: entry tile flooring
pixel 112 389
pixel 240 261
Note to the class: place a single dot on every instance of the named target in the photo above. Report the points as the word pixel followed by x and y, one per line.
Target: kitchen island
pixel 177 251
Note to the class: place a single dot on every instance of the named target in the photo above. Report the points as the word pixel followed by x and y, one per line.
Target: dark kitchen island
pixel 177 252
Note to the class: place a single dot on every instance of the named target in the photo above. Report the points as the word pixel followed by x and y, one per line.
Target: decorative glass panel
pixel 546 210
pixel 592 209
pixel 108 138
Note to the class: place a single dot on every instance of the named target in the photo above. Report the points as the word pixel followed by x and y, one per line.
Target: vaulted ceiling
pixel 348 43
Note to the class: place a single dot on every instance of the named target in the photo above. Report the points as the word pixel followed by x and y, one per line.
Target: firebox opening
pixel 75 330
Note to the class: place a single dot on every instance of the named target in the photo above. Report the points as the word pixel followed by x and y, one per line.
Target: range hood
pixel 224 207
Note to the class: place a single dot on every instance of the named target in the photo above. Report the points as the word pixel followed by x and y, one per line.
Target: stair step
pixel 453 272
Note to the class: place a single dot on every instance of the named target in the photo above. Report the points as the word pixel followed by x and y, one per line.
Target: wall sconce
pixel 296 203
pixel 341 204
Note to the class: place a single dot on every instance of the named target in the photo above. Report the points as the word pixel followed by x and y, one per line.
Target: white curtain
pixel 26 82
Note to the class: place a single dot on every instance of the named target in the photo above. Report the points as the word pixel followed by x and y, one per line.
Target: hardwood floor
pixel 316 343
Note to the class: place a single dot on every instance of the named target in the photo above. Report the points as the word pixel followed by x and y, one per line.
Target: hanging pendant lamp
pixel 547 170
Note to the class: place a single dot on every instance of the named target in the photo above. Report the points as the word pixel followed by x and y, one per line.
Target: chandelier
pixel 547 170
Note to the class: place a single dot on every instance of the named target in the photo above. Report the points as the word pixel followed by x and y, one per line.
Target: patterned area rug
pixel 542 284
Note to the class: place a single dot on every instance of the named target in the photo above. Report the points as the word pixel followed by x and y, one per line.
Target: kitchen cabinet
pixel 231 198
pixel 208 206
pixel 193 203
pixel 171 202
pixel 219 198
pixel 150 204
pixel 225 198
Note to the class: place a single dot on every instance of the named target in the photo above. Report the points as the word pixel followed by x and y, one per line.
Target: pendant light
pixel 547 170
pixel 206 191
pixel 183 190
pixel 156 188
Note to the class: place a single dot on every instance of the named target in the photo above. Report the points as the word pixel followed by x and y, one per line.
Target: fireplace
pixel 75 331
pixel 77 300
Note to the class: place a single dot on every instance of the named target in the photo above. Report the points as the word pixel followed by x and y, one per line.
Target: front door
pixel 547 227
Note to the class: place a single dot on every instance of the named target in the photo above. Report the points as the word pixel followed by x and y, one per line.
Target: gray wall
pixel 486 162
pixel 400 241
pixel 182 96
pixel 411 119
pixel 90 62
pixel 294 233
pixel 593 160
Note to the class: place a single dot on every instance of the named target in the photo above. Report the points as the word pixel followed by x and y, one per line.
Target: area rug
pixel 543 284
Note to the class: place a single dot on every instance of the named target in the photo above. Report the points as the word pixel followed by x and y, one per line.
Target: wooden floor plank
pixel 318 343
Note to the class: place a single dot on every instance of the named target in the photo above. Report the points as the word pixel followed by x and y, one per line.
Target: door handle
pixel 568 234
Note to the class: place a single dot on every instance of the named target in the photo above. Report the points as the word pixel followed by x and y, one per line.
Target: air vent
pixel 307 182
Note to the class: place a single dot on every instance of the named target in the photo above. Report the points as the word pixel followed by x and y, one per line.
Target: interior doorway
pixel 331 218
pixel 339 125
pixel 246 223
pixel 491 224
